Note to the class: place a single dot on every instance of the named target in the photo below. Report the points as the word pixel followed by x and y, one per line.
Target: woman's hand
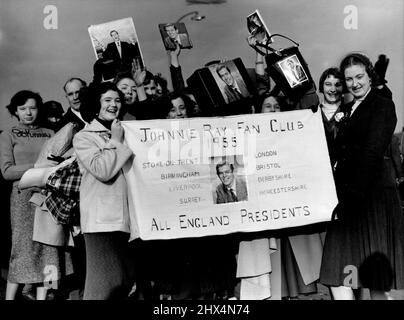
pixel 117 132
pixel 139 76
pixel 223 60
pixel 132 40
pixel 173 55
pixel 176 51
pixel 252 41
pixel 138 73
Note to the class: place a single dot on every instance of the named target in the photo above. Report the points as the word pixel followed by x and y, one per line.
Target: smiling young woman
pixel 368 235
pixel 104 215
pixel 331 86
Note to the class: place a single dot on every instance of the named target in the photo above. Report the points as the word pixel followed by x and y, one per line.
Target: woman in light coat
pixel 104 214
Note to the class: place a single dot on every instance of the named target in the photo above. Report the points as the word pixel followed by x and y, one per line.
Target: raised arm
pixel 262 78
pixel 139 76
pixel 175 69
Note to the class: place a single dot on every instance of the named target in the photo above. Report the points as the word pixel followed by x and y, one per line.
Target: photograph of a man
pixel 172 36
pixel 293 71
pixel 234 88
pixel 232 188
pixel 116 46
pixel 257 28
pixel 122 52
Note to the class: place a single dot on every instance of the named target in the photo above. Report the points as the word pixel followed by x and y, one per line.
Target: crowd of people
pixel 366 231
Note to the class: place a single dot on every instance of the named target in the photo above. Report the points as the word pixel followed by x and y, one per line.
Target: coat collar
pixel 369 97
pixel 339 109
pixel 95 126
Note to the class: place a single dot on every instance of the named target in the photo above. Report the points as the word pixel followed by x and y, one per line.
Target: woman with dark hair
pixel 150 87
pixel 132 87
pixel 53 114
pixel 331 86
pixel 20 147
pixel 127 85
pixel 271 103
pixel 104 211
pixel 180 106
pixel 161 85
pixel 364 247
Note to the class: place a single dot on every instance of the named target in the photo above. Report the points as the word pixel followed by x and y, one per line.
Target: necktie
pixel 233 195
pixel 295 73
pixel 118 45
pixel 237 92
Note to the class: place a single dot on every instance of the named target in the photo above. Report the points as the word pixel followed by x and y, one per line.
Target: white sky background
pixel 42 60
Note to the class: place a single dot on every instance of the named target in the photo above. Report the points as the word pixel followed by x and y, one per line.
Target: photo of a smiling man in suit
pixel 232 188
pixel 235 88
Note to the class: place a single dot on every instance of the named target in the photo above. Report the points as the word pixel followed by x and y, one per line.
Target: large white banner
pixel 210 176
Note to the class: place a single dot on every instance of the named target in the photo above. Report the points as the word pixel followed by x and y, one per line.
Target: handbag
pixel 287 68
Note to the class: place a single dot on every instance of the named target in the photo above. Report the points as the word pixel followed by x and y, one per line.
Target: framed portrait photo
pixel 229 81
pixel 290 72
pixel 174 34
pixel 116 46
pixel 257 28
pixel 223 88
pixel 293 71
pixel 228 178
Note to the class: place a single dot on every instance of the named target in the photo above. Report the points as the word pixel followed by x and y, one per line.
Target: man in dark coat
pixel 122 53
pixel 72 88
pixel 235 89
